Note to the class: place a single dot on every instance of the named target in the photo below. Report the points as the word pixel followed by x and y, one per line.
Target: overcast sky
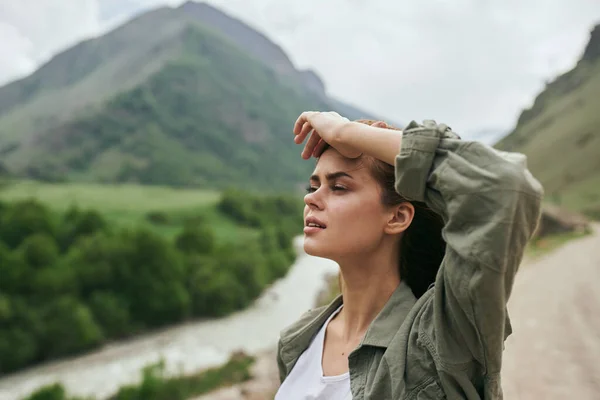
pixel 473 64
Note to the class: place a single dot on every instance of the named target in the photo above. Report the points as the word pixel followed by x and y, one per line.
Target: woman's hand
pixel 326 128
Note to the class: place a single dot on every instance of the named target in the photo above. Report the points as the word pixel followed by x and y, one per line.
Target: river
pixel 184 348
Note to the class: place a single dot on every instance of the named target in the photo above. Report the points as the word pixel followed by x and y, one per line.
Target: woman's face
pixel 345 200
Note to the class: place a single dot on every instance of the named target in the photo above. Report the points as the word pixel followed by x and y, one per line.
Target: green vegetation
pixel 560 136
pixel 156 385
pixel 107 198
pixel 52 392
pixel 75 275
pixel 163 210
pixel 211 118
pixel 542 246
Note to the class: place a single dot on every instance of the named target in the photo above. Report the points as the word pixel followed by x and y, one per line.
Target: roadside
pixel 262 386
pixel 555 313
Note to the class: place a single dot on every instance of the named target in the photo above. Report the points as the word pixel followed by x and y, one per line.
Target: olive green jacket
pixel 447 344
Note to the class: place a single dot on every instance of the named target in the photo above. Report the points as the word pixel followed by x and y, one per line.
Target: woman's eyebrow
pixel 331 176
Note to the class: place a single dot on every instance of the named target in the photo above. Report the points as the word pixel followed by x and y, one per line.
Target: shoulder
pixel 298 326
pixel 296 337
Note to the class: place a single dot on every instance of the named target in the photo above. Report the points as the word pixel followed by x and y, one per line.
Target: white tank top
pixel 306 380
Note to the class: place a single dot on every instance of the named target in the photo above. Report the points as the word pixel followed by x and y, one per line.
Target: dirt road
pixel 554 352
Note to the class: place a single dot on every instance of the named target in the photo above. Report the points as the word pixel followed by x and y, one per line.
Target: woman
pixel 428 231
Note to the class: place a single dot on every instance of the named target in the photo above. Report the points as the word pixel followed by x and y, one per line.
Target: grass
pixel 582 196
pixel 156 385
pixel 130 198
pixel 562 141
pixel 128 205
pixel 542 246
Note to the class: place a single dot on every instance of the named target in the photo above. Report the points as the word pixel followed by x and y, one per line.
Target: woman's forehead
pixel 333 161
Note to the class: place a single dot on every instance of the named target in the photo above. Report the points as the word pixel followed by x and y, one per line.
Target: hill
pixel 560 134
pixel 185 96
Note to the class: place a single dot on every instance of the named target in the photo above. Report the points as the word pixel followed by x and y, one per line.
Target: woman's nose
pixel 313 199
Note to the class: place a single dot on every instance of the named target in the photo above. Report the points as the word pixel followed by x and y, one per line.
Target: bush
pixel 156 385
pixel 50 392
pixel 16 274
pixel 215 291
pixel 77 225
pixel 240 207
pixel 195 240
pixel 158 217
pixel 72 323
pixel 18 348
pixel 112 313
pixel 39 250
pixel 23 220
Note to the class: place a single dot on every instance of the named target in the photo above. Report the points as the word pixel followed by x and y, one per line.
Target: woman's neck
pixel 366 288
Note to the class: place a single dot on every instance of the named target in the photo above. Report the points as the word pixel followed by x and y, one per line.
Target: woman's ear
pixel 401 217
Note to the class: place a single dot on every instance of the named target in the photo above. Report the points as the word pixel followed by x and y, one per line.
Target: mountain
pixel 560 134
pixel 185 96
pixel 268 52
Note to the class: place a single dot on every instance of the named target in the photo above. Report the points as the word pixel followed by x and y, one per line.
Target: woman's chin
pixel 315 248
pixel 311 247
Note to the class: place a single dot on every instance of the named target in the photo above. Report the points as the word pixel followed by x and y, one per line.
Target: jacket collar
pixel 296 338
pixel 385 325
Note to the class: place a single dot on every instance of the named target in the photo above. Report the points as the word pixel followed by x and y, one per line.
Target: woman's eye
pixel 335 188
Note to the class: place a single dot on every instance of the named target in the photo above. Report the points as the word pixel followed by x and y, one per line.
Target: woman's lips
pixel 312 229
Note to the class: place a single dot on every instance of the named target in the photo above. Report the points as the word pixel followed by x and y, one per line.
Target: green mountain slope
pixel 163 99
pixel 560 134
pixel 263 49
pixel 85 75
pixel 210 117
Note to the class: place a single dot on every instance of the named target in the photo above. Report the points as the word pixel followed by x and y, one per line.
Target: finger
pixel 300 123
pixel 310 145
pixel 306 129
pixel 302 119
pixel 320 148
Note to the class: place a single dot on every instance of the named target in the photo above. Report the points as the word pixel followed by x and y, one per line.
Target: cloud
pixel 15 53
pixel 33 30
pixel 473 64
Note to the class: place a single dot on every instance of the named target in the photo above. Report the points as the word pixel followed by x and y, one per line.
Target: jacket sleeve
pixel 491 205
